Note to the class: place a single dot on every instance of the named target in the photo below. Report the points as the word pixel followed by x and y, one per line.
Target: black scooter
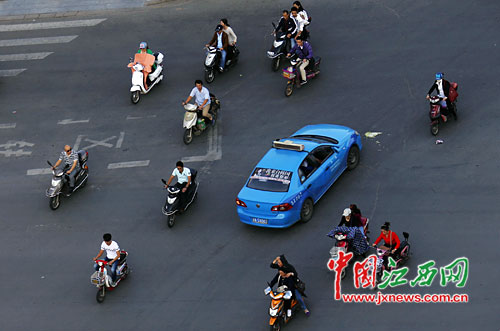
pixel 172 204
pixel 281 46
pixel 60 180
pixel 213 59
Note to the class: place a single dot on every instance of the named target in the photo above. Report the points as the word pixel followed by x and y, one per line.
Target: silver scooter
pixel 194 123
pixel 60 180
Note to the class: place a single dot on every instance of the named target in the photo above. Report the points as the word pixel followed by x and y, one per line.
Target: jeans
pixel 113 268
pixel 223 55
pixel 293 42
pixel 300 299
pixel 72 176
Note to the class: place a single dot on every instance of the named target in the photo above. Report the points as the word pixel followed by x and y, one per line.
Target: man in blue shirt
pixel 201 97
pixel 304 52
pixel 221 41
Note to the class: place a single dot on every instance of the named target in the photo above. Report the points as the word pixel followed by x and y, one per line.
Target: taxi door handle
pixel 309 186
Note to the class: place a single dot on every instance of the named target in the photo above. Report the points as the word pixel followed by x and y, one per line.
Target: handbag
pixel 301 286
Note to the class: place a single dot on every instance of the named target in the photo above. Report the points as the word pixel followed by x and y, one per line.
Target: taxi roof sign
pixel 289 145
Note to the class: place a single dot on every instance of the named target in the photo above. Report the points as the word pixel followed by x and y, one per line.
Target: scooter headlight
pixel 273 312
pixel 189 116
pixel 55 182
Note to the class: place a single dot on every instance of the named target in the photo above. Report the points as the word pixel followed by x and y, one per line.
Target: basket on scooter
pixel 94 279
pixel 289 73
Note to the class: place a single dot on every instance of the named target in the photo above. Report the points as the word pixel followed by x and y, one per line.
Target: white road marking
pixel 10 72
pixel 8 126
pixel 70 121
pixel 139 117
pixel 99 142
pixel 41 171
pixel 13 143
pixel 120 140
pixel 129 164
pixel 214 152
pixel 10 152
pixel 50 25
pixel 24 57
pixel 77 142
pixel 36 41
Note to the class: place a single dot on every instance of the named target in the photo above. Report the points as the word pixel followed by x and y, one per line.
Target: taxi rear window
pixel 272 180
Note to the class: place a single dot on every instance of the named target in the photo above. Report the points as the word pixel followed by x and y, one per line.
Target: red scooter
pixel 103 281
pixel 435 109
pixel 400 257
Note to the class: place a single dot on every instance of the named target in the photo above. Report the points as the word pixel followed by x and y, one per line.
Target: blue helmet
pixel 143 45
pixel 439 75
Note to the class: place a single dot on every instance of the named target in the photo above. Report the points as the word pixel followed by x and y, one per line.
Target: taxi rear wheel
pixel 306 211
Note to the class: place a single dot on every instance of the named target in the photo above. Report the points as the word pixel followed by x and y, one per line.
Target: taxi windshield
pixel 272 180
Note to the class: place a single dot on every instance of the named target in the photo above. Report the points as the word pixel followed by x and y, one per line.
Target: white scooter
pixel 141 61
pixel 194 122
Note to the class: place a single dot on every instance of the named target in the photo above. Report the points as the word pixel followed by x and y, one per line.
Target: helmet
pixel 218 28
pixel 143 45
pixel 439 75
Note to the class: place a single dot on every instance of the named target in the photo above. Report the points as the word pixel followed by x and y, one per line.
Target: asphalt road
pixel 209 271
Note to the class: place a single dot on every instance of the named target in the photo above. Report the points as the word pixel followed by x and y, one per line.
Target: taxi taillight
pixel 240 203
pixel 282 207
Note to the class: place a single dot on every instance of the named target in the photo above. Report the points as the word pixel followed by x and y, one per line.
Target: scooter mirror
pixel 164 181
pixel 50 164
pixel 274 25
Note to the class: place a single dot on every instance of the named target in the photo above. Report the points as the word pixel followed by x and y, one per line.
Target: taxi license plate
pixel 259 220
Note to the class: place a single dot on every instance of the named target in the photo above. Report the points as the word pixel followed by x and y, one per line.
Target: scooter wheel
pixel 101 294
pixel 209 76
pixel 135 97
pixel 434 129
pixel 55 202
pixel 289 89
pixel 275 64
pixel 277 325
pixel 188 136
pixel 171 221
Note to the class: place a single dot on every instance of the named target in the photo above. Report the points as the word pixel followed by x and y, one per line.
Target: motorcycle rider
pixel 391 239
pixel 221 41
pixel 70 159
pixel 281 262
pixel 201 99
pixel 301 24
pixel 144 48
pixel 232 38
pixel 301 11
pixel 442 86
pixel 112 254
pixel 304 52
pixel 287 25
pixel 283 277
pixel 351 220
pixel 183 175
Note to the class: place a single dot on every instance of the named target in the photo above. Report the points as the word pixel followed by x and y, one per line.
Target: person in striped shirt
pixel 70 159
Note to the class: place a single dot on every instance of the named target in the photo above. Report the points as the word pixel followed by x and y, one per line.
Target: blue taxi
pixel 295 173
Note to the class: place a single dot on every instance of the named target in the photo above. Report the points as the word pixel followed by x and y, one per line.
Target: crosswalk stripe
pixel 24 57
pixel 36 41
pixel 50 25
pixel 10 72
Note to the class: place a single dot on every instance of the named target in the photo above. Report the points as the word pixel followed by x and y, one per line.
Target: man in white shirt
pixel 112 254
pixel 183 175
pixel 201 99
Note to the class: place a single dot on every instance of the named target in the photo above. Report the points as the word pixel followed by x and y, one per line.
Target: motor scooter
pixel 60 181
pixel 401 256
pixel 194 122
pixel 280 48
pixel 435 109
pixel 145 61
pixel 278 317
pixel 172 204
pixel 342 243
pixel 292 73
pixel 213 59
pixel 102 279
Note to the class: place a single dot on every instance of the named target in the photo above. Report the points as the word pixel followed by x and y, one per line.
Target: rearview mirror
pixel 50 164
pixel 164 181
pixel 274 25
